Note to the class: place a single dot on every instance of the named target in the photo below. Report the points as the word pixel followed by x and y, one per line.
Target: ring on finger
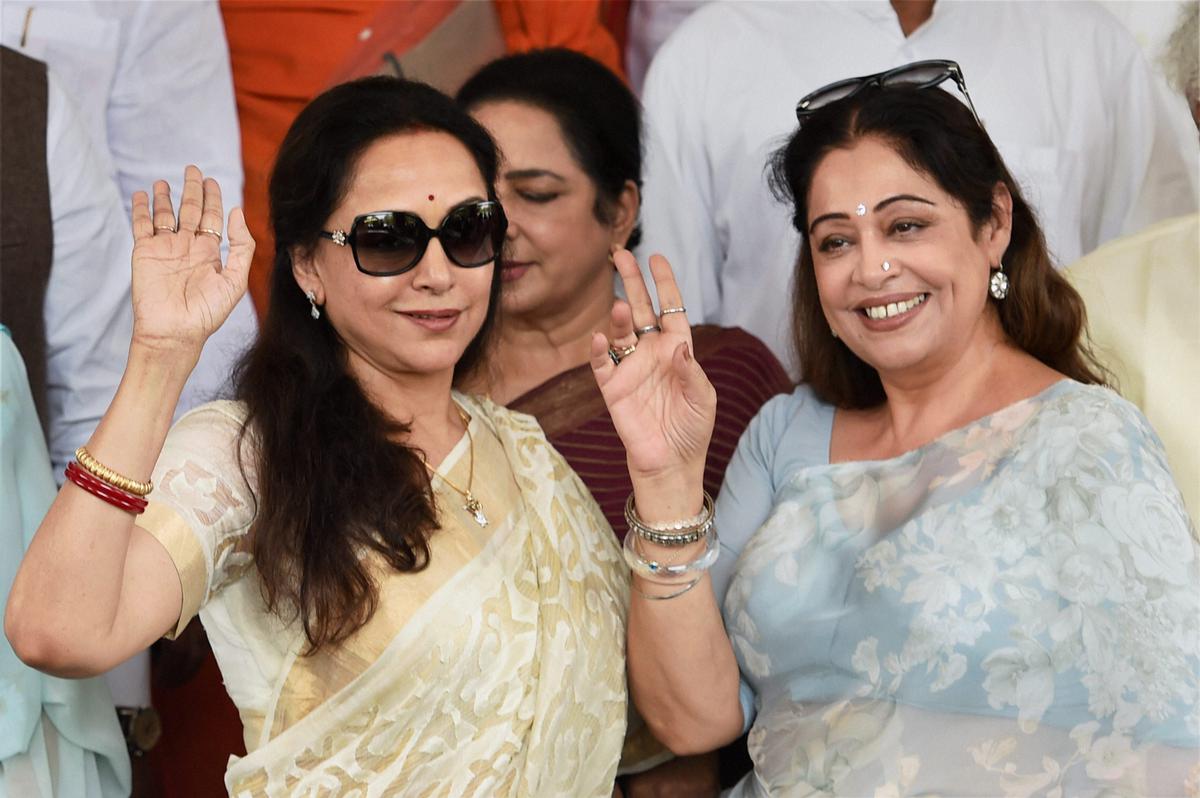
pixel 618 355
pixel 669 311
pixel 165 228
pixel 208 231
pixel 649 328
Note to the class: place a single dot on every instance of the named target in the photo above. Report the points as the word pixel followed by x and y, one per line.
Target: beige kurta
pixel 497 670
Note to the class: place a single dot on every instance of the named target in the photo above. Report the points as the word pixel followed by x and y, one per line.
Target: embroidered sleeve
pixel 202 504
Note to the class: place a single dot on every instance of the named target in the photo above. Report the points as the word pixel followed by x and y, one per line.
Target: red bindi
pixel 431 198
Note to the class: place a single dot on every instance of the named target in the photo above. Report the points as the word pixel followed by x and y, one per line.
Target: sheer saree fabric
pixel 496 671
pixel 1009 610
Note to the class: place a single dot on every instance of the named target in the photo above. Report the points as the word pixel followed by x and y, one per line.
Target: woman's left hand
pixel 661 403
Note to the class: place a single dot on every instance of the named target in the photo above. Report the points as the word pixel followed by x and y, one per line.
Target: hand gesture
pixel 181 292
pixel 661 403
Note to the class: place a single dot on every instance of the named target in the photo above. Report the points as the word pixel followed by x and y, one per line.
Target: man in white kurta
pixel 1061 87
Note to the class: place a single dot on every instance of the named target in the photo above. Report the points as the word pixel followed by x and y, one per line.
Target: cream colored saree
pixel 497 671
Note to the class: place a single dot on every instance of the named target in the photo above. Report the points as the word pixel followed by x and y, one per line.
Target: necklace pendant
pixel 473 507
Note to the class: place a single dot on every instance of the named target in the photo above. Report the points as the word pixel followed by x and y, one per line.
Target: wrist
pixel 669 497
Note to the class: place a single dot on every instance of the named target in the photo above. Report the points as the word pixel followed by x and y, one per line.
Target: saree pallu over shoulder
pixel 509 681
pixel 1009 610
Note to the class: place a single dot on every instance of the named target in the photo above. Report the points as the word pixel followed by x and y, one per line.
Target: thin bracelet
pixel 687 525
pixel 653 571
pixel 103 472
pixel 676 594
pixel 102 490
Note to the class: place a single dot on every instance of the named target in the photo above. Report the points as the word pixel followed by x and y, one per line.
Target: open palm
pixel 661 403
pixel 181 291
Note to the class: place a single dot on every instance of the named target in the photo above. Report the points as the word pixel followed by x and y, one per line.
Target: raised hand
pixel 181 291
pixel 661 403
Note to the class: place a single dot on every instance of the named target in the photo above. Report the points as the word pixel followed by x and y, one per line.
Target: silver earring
pixel 886 266
pixel 998 285
pixel 312 300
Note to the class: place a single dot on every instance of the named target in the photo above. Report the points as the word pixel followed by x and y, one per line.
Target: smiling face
pixel 557 250
pixel 930 305
pixel 417 323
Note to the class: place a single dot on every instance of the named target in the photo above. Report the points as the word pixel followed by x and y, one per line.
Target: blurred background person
pixel 1141 293
pixel 153 87
pixel 61 225
pixel 1064 90
pixel 58 737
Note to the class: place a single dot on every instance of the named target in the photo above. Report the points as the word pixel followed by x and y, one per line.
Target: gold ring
pixel 164 228
pixel 618 355
pixel 209 232
pixel 669 311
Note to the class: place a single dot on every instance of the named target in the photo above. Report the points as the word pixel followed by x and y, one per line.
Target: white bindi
pixel 861 210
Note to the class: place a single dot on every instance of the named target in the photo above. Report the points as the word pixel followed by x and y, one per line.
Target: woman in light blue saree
pixel 952 562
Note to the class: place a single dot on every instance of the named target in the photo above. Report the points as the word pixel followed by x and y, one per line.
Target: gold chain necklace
pixel 470 503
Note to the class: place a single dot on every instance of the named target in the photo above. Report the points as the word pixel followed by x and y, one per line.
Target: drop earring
pixel 998 285
pixel 315 312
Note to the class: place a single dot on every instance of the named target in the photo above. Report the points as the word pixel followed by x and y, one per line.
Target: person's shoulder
pixel 797 422
pixel 1100 413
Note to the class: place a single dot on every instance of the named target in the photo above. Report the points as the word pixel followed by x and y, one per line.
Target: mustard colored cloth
pixel 1143 302
pixel 499 670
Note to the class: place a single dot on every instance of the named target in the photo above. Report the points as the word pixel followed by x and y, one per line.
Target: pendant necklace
pixel 470 503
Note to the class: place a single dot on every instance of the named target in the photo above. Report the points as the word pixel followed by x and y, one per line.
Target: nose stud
pixel 886 266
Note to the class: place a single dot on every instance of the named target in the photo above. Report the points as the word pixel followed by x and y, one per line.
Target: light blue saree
pixel 1013 609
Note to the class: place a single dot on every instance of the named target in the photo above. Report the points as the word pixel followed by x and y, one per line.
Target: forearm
pixel 682 671
pixel 67 595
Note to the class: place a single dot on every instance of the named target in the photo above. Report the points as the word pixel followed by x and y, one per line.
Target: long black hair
pixel 332 480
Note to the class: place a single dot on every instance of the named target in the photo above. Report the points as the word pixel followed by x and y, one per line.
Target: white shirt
pixel 153 85
pixel 1061 87
pixel 154 89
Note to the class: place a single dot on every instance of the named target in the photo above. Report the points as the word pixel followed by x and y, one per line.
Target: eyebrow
pixel 878 207
pixel 527 174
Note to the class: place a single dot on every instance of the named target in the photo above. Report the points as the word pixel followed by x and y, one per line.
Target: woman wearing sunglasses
pixel 952 562
pixel 403 586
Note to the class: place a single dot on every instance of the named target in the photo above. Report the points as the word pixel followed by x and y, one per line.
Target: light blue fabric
pixel 90 740
pixel 1011 609
pixel 790 433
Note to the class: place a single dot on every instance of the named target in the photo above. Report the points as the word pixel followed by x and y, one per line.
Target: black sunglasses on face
pixel 385 243
pixel 921 74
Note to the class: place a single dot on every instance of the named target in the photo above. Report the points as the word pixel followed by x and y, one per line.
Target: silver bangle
pixel 676 594
pixel 679 533
pixel 654 571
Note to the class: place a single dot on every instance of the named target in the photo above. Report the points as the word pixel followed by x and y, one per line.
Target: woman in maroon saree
pixel 569 132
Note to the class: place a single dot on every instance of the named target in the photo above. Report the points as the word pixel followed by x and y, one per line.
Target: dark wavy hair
pixel 938 136
pixel 600 118
pixel 332 480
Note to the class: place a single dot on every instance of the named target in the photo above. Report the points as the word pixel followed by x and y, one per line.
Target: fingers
pixel 602 365
pixel 191 204
pixel 635 288
pixel 622 325
pixel 164 214
pixel 212 216
pixel 669 297
pixel 143 227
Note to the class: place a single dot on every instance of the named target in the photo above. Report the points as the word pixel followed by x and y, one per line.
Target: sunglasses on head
pixel 921 74
pixel 385 243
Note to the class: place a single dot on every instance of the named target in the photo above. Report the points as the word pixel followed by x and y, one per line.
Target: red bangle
pixel 102 490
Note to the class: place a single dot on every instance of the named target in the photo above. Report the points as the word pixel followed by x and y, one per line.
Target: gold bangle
pixel 101 471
